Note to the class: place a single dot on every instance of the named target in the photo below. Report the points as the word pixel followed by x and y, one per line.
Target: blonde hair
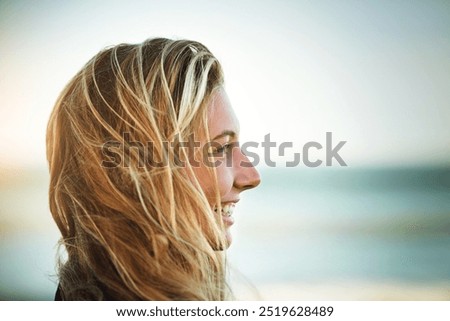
pixel 135 232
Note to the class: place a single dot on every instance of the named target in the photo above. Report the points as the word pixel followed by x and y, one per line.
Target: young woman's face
pixel 234 171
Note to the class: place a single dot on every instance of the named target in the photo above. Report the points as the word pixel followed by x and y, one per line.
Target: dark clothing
pixel 58 294
pixel 103 295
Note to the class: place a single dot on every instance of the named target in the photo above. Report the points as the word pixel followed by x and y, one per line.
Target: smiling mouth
pixel 227 212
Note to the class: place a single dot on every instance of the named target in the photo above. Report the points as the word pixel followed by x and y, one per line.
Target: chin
pixel 228 238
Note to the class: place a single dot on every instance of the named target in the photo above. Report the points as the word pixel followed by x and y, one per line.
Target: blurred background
pixel 374 73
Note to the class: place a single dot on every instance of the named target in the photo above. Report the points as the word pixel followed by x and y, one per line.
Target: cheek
pixel 225 179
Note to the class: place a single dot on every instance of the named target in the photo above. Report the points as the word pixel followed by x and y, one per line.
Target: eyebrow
pixel 225 133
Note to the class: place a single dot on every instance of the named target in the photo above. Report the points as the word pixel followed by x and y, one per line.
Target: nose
pixel 245 175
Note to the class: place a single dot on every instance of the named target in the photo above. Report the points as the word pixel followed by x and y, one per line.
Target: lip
pixel 228 220
pixel 231 201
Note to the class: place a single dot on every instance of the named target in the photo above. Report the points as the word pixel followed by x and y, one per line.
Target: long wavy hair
pixel 132 230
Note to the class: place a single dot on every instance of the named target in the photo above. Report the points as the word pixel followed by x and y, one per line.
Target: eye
pixel 225 149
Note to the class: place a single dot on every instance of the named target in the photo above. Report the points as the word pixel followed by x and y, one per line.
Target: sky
pixel 376 74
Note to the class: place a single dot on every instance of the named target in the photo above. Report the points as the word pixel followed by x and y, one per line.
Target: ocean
pixel 369 225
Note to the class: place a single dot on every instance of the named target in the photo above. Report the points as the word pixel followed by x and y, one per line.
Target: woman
pixel 145 171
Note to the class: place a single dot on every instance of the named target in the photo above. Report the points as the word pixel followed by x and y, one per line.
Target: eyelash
pixel 227 148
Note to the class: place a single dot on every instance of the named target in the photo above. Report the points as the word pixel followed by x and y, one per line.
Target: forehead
pixel 221 116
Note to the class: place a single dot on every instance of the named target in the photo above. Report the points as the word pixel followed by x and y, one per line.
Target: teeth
pixel 227 210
